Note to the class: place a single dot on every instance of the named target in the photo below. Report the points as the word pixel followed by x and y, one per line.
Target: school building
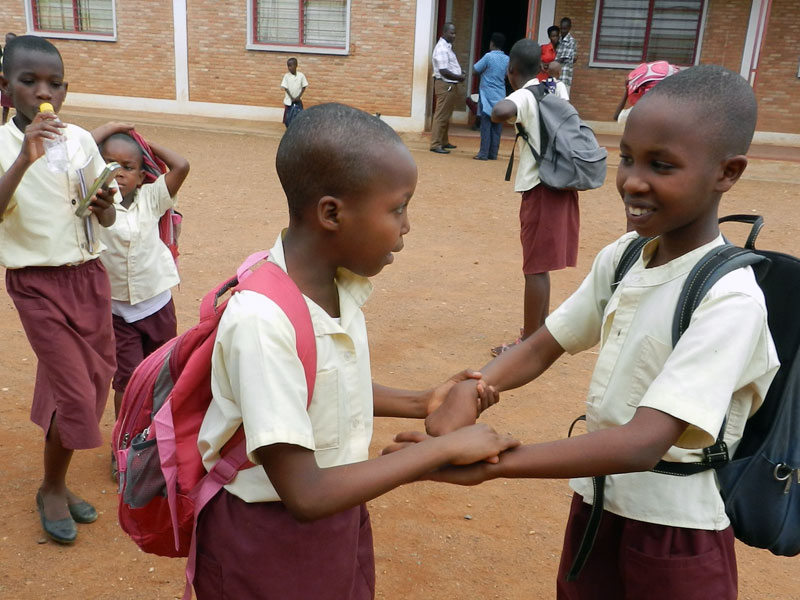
pixel 226 58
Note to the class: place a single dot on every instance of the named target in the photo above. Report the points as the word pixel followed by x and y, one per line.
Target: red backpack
pixel 163 484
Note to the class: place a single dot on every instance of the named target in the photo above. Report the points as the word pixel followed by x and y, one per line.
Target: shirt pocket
pixel 649 363
pixel 325 410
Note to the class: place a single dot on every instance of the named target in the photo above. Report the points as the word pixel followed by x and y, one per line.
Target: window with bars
pixel 81 17
pixel 628 32
pixel 315 25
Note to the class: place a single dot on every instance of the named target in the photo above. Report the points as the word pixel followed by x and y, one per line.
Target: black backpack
pixel 571 158
pixel 760 483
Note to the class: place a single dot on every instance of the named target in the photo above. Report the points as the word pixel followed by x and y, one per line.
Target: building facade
pixel 227 58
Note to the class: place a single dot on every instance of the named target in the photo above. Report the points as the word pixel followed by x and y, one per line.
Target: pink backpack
pixel 163 484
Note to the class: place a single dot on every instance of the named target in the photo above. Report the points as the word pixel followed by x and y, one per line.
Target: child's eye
pixel 661 166
pixel 401 209
pixel 626 160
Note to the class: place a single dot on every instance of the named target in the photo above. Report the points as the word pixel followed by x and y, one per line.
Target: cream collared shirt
pixel 257 379
pixel 722 366
pixel 39 226
pixel 139 264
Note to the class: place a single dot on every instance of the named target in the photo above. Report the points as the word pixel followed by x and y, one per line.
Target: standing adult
pixel 566 52
pixel 447 75
pixel 549 51
pixel 492 68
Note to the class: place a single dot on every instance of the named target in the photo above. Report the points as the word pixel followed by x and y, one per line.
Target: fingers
pixel 487 396
pixel 411 436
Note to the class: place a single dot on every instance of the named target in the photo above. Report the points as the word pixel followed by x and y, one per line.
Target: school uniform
pixel 142 272
pixel 258 380
pixel 59 288
pixel 549 218
pixel 719 370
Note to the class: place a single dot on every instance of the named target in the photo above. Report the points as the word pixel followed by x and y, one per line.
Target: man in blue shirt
pixel 492 69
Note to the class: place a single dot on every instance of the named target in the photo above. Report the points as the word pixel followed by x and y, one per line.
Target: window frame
pixel 594 62
pixel 300 47
pixel 30 12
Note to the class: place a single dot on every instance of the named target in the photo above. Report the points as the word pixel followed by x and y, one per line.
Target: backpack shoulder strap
pixel 522 133
pixel 629 257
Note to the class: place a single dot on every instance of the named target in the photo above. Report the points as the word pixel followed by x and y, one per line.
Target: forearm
pixel 10 181
pixel 633 447
pixel 311 493
pixel 524 362
pixel 450 75
pixel 391 402
pixel 300 95
pixel 178 167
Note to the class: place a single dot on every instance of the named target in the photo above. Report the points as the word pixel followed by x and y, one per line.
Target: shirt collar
pixel 353 291
pixel 677 267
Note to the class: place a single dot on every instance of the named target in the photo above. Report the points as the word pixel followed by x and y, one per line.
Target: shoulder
pixel 249 314
pixel 157 189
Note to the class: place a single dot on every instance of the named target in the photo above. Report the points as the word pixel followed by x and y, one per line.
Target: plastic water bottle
pixel 55 150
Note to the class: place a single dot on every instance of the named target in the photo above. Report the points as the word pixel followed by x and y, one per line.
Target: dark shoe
pixel 62 531
pixel 440 151
pixel 492 158
pixel 479 157
pixel 83 512
pixel 448 146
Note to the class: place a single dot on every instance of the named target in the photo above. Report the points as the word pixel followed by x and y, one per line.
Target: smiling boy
pixel 660 536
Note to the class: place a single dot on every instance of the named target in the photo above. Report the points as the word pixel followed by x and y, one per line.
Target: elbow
pixel 302 510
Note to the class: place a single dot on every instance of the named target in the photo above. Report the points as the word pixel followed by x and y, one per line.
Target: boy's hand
pixel 103 206
pixel 486 394
pixel 476 443
pixel 462 475
pixel 464 403
pixel 107 129
pixel 44 126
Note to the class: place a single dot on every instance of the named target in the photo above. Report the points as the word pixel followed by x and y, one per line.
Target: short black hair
pixel 290 60
pixel 566 20
pixel 722 101
pixel 526 57
pixel 553 28
pixel 121 136
pixel 498 39
pixel 26 43
pixel 447 25
pixel 329 150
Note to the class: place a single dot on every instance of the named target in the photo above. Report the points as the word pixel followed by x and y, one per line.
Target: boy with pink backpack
pixel 291 388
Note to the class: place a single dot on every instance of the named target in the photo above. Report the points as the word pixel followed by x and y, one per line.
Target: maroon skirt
pixel 258 551
pixel 634 559
pixel 549 226
pixel 66 314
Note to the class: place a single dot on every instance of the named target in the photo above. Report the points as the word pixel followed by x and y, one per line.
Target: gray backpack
pixel 571 158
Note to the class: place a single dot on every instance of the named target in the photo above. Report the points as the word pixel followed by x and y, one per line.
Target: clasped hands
pixel 453 410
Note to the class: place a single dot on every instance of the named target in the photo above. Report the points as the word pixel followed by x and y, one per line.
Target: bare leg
pixel 54 490
pixel 537 302
pixel 117 402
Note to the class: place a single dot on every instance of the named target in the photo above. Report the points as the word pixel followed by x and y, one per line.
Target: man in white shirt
pixel 447 74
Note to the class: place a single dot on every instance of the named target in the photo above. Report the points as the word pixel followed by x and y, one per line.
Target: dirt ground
pixel 453 292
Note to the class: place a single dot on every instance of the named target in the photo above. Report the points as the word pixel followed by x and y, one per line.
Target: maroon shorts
pixel 633 559
pixel 139 339
pixel 258 551
pixel 549 224
pixel 66 314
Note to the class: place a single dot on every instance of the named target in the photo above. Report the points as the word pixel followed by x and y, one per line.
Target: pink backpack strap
pixel 272 281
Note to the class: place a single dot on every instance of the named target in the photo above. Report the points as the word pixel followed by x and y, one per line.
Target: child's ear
pixel 4 85
pixel 329 210
pixel 731 170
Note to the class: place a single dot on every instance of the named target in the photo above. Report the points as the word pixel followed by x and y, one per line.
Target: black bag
pixel 760 483
pixel 571 158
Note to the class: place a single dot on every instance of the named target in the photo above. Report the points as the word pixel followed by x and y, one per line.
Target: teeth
pixel 636 211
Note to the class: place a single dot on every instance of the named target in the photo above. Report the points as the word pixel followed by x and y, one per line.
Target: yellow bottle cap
pixel 46 107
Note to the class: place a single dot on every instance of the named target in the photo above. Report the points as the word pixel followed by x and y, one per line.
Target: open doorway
pixel 509 17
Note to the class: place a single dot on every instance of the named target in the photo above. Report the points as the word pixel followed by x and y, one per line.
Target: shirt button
pixel 74 201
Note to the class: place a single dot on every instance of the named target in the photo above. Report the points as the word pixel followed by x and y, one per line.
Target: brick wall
pixel 140 63
pixel 777 84
pixel 376 76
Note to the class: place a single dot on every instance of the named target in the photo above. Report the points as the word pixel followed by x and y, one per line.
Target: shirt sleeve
pixel 303 81
pixel 261 370
pixel 158 195
pixel 481 65
pixel 726 348
pixel 284 83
